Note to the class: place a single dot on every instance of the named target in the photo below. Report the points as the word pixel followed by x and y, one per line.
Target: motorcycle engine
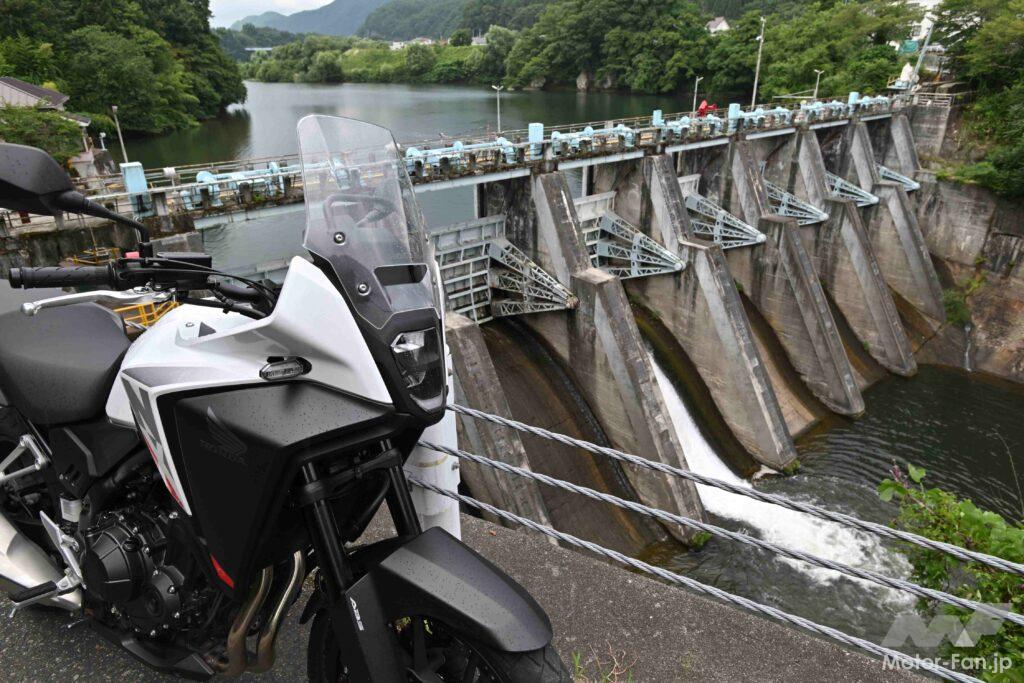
pixel 130 562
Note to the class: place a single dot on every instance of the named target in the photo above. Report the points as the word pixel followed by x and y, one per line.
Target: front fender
pixel 435 575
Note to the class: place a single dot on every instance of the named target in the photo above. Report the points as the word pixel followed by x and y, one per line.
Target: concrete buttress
pixel 600 346
pixel 780 280
pixel 892 224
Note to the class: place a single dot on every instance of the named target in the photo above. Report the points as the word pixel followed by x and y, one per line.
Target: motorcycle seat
pixel 58 366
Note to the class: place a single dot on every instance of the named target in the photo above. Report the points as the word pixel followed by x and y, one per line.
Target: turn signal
pixel 284 368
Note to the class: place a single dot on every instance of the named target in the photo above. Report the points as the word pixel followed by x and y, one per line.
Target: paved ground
pixel 665 633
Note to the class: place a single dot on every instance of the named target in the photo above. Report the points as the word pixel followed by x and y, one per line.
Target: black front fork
pixel 368 645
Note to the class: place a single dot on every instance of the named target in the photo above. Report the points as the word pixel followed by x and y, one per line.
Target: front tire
pixel 464 659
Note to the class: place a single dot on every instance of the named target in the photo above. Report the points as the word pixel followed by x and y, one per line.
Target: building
pixel 397 44
pixel 717 25
pixel 17 93
pixel 479 40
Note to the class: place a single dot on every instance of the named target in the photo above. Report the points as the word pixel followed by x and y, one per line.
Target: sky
pixel 226 12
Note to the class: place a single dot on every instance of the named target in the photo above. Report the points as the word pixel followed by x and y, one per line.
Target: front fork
pixel 368 645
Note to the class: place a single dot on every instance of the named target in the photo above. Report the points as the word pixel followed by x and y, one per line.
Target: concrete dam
pixel 773 260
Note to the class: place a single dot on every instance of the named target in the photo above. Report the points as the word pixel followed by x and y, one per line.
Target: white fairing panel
pixel 195 347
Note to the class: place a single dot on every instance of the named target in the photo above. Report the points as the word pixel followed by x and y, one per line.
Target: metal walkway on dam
pixel 770 246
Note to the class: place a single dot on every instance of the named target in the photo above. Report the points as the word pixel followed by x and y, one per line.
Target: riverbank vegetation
pixel 48 130
pixel 157 61
pixel 984 40
pixel 941 516
pixel 642 46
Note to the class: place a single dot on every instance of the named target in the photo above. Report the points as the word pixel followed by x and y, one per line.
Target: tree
pixel 492 63
pixel 326 67
pixel 419 59
pixel 141 76
pixel 48 130
pixel 460 37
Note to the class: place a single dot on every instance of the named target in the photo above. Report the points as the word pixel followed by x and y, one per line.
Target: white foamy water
pixel 794 530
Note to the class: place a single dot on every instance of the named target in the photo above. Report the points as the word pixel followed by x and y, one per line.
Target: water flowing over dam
pixel 758 575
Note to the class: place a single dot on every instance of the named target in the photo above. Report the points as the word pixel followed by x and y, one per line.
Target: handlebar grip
pixel 57 276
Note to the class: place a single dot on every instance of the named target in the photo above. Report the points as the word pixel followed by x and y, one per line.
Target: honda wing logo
pixel 222 441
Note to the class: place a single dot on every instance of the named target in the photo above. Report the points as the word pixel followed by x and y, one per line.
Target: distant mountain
pixel 265 20
pixel 338 18
pixel 407 19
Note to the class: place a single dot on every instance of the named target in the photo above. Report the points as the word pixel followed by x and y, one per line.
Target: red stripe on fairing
pixel 221 574
pixel 170 489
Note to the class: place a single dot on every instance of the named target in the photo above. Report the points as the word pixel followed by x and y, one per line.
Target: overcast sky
pixel 226 12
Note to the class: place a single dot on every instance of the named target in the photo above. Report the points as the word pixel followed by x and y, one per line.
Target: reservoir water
pixel 964 428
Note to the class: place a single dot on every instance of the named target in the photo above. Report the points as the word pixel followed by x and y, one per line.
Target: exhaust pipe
pixel 265 649
pixel 23 564
pixel 237 655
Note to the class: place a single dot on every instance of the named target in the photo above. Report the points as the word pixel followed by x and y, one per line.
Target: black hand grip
pixel 57 276
pixel 33 592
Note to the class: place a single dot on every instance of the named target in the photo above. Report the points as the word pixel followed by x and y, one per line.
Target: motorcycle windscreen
pixel 362 217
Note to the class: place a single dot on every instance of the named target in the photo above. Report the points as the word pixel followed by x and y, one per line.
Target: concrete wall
pixel 477 385
pixel 780 279
pixel 600 346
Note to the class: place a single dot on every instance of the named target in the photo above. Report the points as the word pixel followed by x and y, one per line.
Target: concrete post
pixel 781 282
pixel 844 258
pixel 160 205
pixel 477 385
pixel 902 153
pixel 895 234
pixel 600 346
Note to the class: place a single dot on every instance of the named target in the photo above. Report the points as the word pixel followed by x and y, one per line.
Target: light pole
pixel 103 140
pixel 816 82
pixel 497 94
pixel 695 84
pixel 757 70
pixel 120 138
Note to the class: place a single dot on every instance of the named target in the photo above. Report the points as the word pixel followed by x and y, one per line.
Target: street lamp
pixel 816 82
pixel 120 138
pixel 497 94
pixel 757 71
pixel 103 140
pixel 695 84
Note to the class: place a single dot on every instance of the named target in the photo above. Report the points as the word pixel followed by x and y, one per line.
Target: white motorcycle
pixel 178 490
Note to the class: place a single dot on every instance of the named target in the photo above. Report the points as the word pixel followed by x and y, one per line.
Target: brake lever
pixel 134 296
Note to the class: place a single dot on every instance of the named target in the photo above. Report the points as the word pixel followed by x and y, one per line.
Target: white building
pixel 717 25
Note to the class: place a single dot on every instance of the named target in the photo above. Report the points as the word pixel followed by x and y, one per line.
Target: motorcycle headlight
pixel 418 355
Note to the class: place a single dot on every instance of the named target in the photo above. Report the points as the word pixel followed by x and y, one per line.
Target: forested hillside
pixel 338 18
pixel 156 59
pixel 234 42
pixel 406 19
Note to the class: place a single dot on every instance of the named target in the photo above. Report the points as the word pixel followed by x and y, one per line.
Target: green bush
pixel 958 313
pixel 460 38
pixel 941 516
pixel 47 130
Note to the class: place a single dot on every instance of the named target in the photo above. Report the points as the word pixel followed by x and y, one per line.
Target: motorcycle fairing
pixel 196 349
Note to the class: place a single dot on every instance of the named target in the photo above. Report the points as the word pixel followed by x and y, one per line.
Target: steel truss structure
pixel 844 189
pixel 909 184
pixel 619 249
pixel 788 204
pixel 485 276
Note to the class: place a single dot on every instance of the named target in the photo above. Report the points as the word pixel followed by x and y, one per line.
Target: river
pixel 965 429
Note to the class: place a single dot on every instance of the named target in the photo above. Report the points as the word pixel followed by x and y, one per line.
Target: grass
pixel 612 667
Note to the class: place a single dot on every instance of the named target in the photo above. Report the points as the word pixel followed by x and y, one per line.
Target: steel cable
pixel 672 577
pixel 672 518
pixel 838 517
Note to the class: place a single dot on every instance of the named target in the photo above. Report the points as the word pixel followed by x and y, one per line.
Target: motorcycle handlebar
pixel 58 276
